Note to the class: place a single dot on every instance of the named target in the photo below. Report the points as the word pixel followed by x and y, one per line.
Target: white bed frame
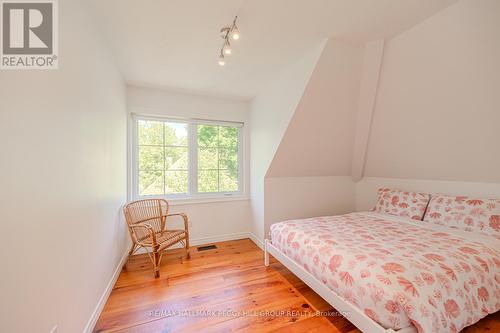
pixel 356 316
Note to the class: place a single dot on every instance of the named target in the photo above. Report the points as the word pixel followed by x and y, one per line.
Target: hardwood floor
pixel 222 290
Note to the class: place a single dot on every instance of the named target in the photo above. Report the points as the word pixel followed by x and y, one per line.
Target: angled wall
pixel 270 113
pixel 372 61
pixel 310 172
pixel 319 138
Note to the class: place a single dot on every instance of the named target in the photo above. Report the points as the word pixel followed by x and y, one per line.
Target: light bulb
pixel 235 33
pixel 222 61
pixel 226 49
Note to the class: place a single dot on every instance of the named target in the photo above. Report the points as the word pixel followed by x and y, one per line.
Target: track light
pixel 229 32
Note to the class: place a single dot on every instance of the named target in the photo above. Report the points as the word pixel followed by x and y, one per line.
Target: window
pixel 217 158
pixel 162 157
pixel 184 159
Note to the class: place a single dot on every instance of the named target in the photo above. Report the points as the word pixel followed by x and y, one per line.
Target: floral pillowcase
pixel 465 213
pixel 410 205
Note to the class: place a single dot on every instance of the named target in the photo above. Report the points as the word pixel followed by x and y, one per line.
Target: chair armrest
pixel 150 230
pixel 184 217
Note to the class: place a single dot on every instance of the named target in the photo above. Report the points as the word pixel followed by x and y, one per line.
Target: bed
pixel 393 274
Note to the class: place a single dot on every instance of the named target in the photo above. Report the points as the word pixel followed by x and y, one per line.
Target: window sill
pixel 195 201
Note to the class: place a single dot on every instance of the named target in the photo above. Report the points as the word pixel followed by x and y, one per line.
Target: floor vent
pixel 206 247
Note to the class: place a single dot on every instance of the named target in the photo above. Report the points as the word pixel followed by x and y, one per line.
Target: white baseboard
pixel 256 240
pixel 104 298
pixel 221 238
pixel 207 240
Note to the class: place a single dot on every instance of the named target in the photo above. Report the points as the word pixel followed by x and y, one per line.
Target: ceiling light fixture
pixel 227 33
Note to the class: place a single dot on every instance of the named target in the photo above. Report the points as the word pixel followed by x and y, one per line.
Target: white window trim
pixel 193 196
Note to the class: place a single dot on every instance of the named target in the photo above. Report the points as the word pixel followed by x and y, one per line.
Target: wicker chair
pixel 146 220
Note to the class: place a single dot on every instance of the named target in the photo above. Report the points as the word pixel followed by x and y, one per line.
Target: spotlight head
pixel 222 61
pixel 235 33
pixel 226 49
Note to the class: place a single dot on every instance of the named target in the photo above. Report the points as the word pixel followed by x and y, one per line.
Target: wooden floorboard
pixel 223 290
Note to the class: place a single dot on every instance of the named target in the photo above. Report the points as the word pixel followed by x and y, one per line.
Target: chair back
pixel 150 211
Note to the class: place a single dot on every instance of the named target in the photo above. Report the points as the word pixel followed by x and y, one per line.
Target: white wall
pixel 437 112
pixel 435 123
pixel 63 180
pixel 213 220
pixel 301 197
pixel 366 189
pixel 270 113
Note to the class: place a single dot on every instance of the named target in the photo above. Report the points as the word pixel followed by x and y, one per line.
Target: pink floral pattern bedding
pixel 402 203
pixel 465 213
pixel 398 273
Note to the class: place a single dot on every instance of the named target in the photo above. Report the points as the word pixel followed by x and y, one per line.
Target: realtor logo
pixel 29 34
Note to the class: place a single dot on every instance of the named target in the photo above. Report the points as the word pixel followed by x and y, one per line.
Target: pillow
pixel 401 203
pixel 465 213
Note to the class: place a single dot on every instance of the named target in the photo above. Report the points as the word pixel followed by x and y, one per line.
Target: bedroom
pixel 332 131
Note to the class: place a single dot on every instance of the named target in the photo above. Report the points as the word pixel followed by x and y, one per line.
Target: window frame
pixel 192 193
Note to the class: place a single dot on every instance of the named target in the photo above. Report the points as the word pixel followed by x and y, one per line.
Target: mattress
pixel 398 272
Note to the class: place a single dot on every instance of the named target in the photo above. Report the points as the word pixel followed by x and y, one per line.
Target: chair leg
pixel 188 254
pixel 132 249
pixel 157 264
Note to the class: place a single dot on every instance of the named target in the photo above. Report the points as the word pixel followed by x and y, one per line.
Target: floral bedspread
pixel 396 271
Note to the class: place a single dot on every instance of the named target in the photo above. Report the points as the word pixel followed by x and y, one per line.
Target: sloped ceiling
pixel 174 44
pixel 435 115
